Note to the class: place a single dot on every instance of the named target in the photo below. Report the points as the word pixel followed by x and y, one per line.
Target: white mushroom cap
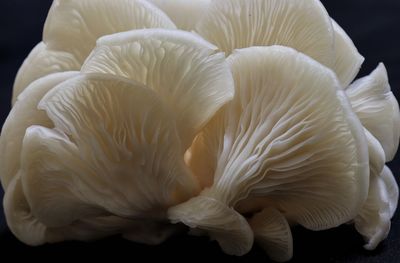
pixel 72 28
pixel 377 108
pixel 112 149
pixel 186 71
pixel 302 24
pixel 31 231
pixel 41 62
pixel 373 222
pixel 101 152
pixel 288 140
pixel 272 232
pixel 184 13
pixel 221 222
pixel 347 59
pixel 19 217
pixel 227 17
pixel 22 115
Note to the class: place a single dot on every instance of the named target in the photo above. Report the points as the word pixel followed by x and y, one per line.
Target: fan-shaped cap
pixel 302 24
pixel 215 217
pixel 373 222
pixel 347 59
pixel 30 230
pixel 288 140
pixel 22 115
pixel 72 28
pixel 186 71
pixel 19 217
pixel 136 146
pixel 111 149
pixel 40 62
pixel 272 232
pixel 185 14
pixel 75 25
pixel 377 108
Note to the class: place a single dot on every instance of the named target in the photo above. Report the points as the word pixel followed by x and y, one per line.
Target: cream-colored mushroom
pixel 101 152
pixel 186 71
pixel 41 62
pixel 289 140
pixel 32 232
pixel 22 115
pixel 347 59
pixel 272 232
pixel 302 24
pixel 72 28
pixel 239 24
pixel 64 186
pixel 113 150
pixel 373 222
pixel 377 108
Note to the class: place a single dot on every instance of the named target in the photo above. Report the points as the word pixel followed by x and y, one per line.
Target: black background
pixel 374 26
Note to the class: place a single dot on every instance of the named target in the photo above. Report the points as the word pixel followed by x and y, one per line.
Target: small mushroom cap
pixel 18 215
pixel 75 25
pixel 302 24
pixel 186 71
pixel 22 115
pixel 373 222
pixel 272 232
pixel 72 28
pixel 377 108
pixel 221 223
pixel 40 62
pixel 347 59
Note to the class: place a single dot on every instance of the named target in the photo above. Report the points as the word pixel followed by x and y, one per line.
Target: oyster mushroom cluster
pixel 236 118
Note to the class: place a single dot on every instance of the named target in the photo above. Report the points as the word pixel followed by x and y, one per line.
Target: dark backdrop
pixel 373 25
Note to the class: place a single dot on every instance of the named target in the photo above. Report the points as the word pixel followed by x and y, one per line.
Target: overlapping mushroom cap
pixel 89 150
pixel 271 148
pixel 107 104
pixel 72 28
